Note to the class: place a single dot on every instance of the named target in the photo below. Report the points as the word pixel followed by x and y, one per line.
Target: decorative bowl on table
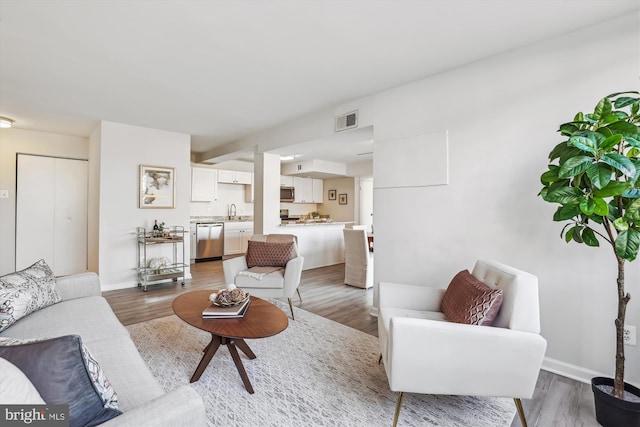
pixel 228 298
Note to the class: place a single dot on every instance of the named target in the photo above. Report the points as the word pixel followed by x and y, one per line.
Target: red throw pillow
pixel 468 300
pixel 269 254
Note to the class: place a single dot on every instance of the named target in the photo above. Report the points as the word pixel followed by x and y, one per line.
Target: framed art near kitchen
pixel 157 187
pixel 342 199
pixel 332 194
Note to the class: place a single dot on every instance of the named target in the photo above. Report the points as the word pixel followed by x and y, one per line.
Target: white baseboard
pixel 568 370
pixel 573 372
pixel 128 284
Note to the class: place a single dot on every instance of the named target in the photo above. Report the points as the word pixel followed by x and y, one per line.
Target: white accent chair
pixel 425 353
pixel 358 260
pixel 282 283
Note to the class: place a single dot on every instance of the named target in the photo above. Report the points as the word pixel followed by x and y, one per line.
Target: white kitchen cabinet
pixel 286 181
pixel 317 190
pixel 236 237
pixel 303 190
pixel 204 184
pixel 234 177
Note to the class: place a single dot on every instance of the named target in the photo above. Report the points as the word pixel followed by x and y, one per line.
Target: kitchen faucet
pixel 232 211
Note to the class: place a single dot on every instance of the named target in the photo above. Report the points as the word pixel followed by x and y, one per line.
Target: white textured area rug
pixel 315 373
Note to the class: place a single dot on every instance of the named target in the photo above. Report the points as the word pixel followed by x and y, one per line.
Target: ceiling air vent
pixel 347 121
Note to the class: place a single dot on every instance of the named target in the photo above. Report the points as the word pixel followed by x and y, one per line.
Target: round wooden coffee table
pixel 261 320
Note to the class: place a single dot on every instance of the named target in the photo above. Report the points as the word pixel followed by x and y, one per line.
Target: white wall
pixel 122 149
pixel 14 141
pixel 502 115
pixel 338 212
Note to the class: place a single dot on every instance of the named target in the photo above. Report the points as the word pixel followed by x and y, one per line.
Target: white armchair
pixel 358 260
pixel 280 283
pixel 423 352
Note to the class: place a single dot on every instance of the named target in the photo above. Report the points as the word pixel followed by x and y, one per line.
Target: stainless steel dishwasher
pixel 209 241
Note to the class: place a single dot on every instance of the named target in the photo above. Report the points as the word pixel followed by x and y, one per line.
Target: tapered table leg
pixel 242 345
pixel 209 351
pixel 236 359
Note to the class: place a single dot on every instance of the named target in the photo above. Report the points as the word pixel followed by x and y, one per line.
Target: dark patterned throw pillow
pixel 26 291
pixel 269 254
pixel 468 300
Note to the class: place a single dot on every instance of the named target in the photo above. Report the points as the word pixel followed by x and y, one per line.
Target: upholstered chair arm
pixel 414 297
pixel 471 360
pixel 233 266
pixel 292 274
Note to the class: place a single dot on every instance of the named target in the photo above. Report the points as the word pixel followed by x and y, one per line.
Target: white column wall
pixel 123 148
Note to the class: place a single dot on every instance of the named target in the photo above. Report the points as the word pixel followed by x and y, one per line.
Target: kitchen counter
pixel 305 223
pixel 320 243
pixel 205 219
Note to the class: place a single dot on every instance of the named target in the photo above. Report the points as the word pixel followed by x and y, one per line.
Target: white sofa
pixel 83 311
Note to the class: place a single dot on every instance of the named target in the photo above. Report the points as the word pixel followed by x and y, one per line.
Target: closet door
pixel 51 213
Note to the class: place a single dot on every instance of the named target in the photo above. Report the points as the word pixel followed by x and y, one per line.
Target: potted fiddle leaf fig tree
pixel 594 177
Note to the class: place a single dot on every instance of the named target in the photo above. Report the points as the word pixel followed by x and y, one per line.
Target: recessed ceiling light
pixel 5 122
pixel 291 157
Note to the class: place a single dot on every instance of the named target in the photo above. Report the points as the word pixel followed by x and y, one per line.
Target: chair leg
pixel 291 307
pixel 299 296
pixel 398 407
pixel 523 420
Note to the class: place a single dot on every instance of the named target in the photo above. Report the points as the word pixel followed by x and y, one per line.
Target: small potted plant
pixel 594 178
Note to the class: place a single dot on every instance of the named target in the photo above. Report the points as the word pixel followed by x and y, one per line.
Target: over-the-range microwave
pixel 287 194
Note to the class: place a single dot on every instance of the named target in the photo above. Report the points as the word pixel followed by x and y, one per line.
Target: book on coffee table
pixel 217 312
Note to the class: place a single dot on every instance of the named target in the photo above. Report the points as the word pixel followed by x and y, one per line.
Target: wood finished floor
pixel 557 401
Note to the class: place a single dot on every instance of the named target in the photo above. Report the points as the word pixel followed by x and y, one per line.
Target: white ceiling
pixel 220 70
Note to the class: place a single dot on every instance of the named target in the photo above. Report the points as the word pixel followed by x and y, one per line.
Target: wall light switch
pixel 4 194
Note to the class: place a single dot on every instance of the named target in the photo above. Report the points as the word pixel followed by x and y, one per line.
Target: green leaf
pixel 623 101
pixel 566 212
pixel 550 176
pixel 564 195
pixel 583 143
pixel 577 237
pixel 558 150
pixel 610 142
pixel 601 208
pixel 587 206
pixel 613 188
pixel 579 117
pixel 575 166
pixel 633 141
pixel 620 224
pixel 627 244
pixel 635 108
pixel 623 128
pixel 632 213
pixel 589 237
pixel 602 109
pixel 568 128
pixel 568 236
pixel 620 162
pixel 632 193
pixel 599 174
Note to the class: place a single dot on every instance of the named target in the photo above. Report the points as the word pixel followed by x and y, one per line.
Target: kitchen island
pixel 320 243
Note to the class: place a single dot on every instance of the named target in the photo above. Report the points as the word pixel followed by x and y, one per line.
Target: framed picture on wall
pixel 342 199
pixel 332 194
pixel 157 187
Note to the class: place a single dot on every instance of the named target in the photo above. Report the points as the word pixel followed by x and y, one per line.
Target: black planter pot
pixel 614 412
